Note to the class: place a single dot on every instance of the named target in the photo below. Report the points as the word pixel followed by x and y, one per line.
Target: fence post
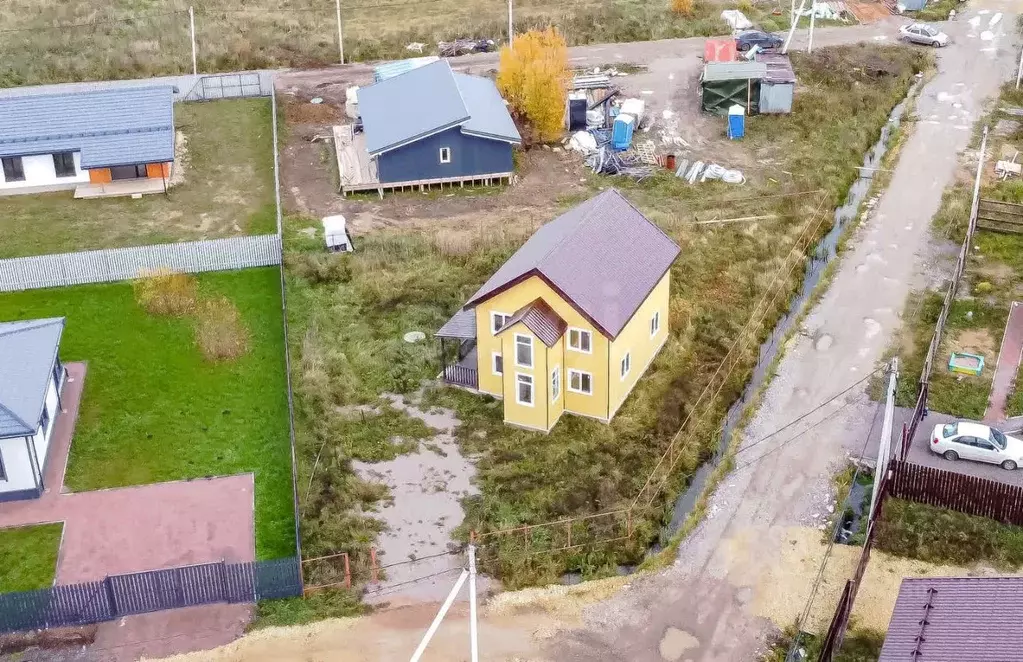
pixel 224 593
pixel 110 595
pixel 373 563
pixel 348 573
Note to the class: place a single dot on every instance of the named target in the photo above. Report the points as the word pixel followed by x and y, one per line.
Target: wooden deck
pixel 359 172
pixel 121 188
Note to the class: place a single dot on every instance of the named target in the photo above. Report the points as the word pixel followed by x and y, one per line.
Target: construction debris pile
pixel 603 122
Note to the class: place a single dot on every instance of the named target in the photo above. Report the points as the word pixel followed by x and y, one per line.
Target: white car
pixel 973 441
pixel 921 33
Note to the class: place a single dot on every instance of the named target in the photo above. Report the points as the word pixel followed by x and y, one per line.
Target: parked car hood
pixel 1014 447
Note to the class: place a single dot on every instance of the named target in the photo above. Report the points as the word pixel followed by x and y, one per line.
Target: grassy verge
pixel 227 191
pixel 297 611
pixel 936 10
pixel 155 410
pixel 937 535
pixel 350 311
pixel 28 557
pixel 130 40
pixel 859 645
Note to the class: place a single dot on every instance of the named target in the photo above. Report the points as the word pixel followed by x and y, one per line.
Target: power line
pixel 831 545
pixel 389 588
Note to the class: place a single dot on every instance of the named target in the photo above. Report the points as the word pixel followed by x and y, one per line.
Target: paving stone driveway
pixel 108 532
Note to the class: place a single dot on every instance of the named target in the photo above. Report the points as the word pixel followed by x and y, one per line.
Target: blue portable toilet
pixel 736 122
pixel 621 132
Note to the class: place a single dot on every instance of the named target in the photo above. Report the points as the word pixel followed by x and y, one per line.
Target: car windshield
pixel 950 429
pixel 998 438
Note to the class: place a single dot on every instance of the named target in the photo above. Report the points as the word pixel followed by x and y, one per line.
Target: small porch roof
pixel 539 318
pixel 461 325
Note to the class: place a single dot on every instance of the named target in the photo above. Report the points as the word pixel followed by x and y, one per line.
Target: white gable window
pixel 626 364
pixel 445 155
pixel 523 351
pixel 580 382
pixel 523 389
pixel 580 340
pixel 556 383
pixel 497 320
pixel 655 324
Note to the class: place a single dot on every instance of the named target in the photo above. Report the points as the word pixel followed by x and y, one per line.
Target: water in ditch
pixel 820 256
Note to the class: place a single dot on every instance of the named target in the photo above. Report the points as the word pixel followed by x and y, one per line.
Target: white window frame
pixel 520 378
pixel 556 383
pixel 445 152
pixel 494 356
pixel 571 373
pixel 531 357
pixel 493 318
pixel 626 365
pixel 589 334
pixel 655 323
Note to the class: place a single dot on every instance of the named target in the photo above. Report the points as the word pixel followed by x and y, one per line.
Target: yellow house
pixel 571 321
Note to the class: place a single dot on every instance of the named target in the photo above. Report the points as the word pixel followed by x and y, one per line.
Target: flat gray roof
pixel 110 127
pixel 714 71
pixel 28 350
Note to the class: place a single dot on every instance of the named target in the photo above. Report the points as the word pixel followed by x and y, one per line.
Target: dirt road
pixel 748 568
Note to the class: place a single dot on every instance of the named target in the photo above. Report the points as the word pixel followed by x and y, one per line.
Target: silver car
pixel 921 33
pixel 978 442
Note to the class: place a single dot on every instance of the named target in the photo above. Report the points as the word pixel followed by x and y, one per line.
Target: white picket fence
pixel 114 264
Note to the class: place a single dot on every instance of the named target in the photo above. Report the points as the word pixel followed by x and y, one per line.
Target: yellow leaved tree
pixel 533 78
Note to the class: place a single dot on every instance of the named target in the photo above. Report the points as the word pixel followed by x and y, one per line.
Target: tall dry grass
pixel 219 330
pixel 166 292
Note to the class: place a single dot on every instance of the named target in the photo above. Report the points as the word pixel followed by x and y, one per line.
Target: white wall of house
pixel 43 435
pixel 39 171
pixel 17 465
pixel 15 453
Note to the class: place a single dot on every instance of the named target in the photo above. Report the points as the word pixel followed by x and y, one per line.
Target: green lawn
pixel 28 556
pixel 155 410
pixel 227 191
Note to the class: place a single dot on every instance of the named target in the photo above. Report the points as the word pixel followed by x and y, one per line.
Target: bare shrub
pixel 219 330
pixel 166 292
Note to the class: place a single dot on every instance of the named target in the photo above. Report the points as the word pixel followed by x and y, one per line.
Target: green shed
pixel 724 84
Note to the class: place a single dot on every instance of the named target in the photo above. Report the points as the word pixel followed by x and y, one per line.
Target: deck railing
pixel 462 376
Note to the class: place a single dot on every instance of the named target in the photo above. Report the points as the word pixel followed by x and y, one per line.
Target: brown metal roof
pixel 956 619
pixel 779 68
pixel 603 256
pixel 539 318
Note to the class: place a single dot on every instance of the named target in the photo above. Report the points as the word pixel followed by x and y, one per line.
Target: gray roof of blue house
pixel 112 127
pixel 603 256
pixel 28 350
pixel 428 100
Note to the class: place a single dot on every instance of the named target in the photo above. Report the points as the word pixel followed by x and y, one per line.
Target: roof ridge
pixel 582 221
pixel 458 89
pixel 645 218
pixel 28 325
pixel 14 416
pixel 104 90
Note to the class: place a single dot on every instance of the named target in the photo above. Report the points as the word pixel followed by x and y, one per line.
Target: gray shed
pixel 725 84
pixel 779 85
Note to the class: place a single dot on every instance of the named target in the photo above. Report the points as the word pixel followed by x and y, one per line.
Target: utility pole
pixel 474 647
pixel 813 15
pixel 884 447
pixel 340 39
pixel 191 27
pixel 792 28
pixel 439 617
pixel 511 27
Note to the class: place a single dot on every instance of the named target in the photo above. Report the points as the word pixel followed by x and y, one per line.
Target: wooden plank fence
pixel 143 592
pixel 999 216
pixel 115 264
pixel 960 492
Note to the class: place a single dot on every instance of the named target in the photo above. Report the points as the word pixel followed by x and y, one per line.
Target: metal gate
pixel 187 586
pixel 231 86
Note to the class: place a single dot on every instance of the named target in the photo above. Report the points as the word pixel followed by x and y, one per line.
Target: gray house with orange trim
pixel 87 140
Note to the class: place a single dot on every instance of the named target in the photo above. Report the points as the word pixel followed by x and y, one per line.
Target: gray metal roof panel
pixel 411 105
pixel 968 618
pixel 134 123
pixel 488 114
pixel 714 71
pixel 604 255
pixel 27 352
pixel 461 325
